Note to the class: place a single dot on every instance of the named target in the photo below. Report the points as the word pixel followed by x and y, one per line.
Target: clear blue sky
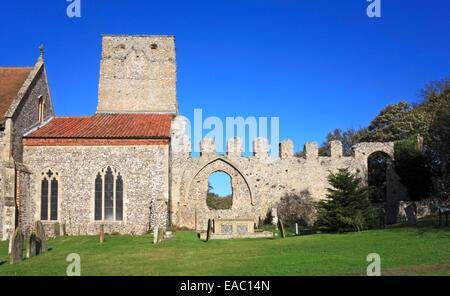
pixel 221 183
pixel 317 65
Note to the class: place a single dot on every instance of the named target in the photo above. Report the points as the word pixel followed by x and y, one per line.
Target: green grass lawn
pixel 422 250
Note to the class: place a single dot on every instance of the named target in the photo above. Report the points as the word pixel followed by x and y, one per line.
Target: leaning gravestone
pixel 31 246
pixel 41 246
pixel 155 235
pixel 17 246
pixel 209 231
pixel 57 230
pixel 102 234
pixel 411 215
pixel 280 225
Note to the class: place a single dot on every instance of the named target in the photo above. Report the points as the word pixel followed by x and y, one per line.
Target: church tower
pixel 138 74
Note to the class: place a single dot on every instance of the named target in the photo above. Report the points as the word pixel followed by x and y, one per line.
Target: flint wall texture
pixel 145 174
pixel 138 73
pixel 259 181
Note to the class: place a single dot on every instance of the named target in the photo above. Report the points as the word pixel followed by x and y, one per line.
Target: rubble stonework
pixel 138 73
pixel 260 181
pixel 162 183
pixel 145 175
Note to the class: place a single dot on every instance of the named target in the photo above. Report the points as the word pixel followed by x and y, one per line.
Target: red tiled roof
pixel 11 80
pixel 106 126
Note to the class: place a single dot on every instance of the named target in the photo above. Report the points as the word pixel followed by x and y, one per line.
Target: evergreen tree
pixel 347 207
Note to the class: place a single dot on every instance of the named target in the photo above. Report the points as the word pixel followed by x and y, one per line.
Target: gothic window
pixel 49 195
pixel 108 195
pixel 41 110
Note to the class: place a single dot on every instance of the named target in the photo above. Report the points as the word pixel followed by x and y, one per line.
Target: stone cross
pixel 17 246
pixel 31 245
pixel 102 234
pixel 41 246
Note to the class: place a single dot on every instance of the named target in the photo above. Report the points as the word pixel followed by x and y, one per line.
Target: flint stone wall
pixel 260 181
pixel 145 174
pixel 138 73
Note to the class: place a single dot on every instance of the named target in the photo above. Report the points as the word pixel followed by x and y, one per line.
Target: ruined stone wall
pixel 258 181
pixel 137 74
pixel 145 174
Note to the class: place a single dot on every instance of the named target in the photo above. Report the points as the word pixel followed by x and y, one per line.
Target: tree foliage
pixel 412 167
pixel 347 207
pixel 297 208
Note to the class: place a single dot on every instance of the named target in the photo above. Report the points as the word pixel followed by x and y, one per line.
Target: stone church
pixel 129 166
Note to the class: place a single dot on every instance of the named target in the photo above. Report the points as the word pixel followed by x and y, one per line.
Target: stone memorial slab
pixel 17 246
pixel 57 229
pixel 155 235
pixel 41 246
pixel 31 245
pixel 160 234
pixel 209 230
pixel 102 234
pixel 280 225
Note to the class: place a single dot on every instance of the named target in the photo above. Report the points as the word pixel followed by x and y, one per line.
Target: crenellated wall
pixel 258 181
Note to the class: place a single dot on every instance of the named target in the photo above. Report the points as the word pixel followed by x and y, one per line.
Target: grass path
pixel 423 250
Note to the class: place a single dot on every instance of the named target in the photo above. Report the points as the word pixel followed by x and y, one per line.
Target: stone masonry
pixel 162 183
pixel 259 181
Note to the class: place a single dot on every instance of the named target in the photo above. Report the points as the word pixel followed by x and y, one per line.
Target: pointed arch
pixel 208 162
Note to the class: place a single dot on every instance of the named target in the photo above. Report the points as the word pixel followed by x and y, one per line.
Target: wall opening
pixel 378 163
pixel 220 191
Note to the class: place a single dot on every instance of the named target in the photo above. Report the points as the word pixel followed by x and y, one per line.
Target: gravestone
pixel 280 225
pixel 168 235
pixel 57 229
pixel 31 245
pixel 274 216
pixel 17 246
pixel 155 235
pixel 161 234
pixel 41 245
pixel 64 232
pixel 10 243
pixel 382 218
pixel 102 234
pixel 209 231
pixel 411 215
pixel 296 228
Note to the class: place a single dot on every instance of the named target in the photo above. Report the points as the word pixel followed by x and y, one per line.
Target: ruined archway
pixel 378 164
pixel 195 212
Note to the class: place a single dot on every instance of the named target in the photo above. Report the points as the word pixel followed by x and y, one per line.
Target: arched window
pixel 220 191
pixel 108 195
pixel 41 109
pixel 49 195
pixel 377 163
